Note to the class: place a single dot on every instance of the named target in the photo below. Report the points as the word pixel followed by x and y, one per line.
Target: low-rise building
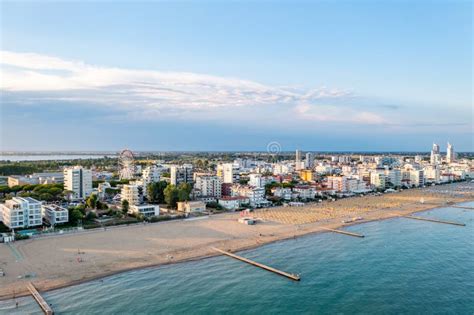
pixel 54 214
pixel 191 206
pixel 256 195
pixel 145 210
pixel 305 192
pixel 233 203
pixel 283 193
pixel 21 180
pixel 21 212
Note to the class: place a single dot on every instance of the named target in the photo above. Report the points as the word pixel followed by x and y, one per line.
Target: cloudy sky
pixel 214 76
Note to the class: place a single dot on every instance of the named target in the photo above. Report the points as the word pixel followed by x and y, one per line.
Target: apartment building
pixel 378 180
pixel 208 186
pixel 55 214
pixel 181 174
pixel 78 180
pixel 21 212
pixel 394 177
pixel 256 195
pixel 151 174
pixel 132 193
pixel 283 193
pixel 305 192
pixel 228 172
pixel 337 183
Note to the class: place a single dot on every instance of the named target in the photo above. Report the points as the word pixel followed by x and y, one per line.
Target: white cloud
pixel 333 114
pixel 58 78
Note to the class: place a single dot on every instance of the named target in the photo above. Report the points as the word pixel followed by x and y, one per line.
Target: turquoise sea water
pixel 402 266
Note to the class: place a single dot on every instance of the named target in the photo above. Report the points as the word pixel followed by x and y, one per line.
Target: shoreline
pixel 302 230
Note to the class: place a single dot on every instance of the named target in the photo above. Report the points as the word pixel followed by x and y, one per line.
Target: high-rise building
pixel 298 156
pixel 209 186
pixel 309 161
pixel 298 163
pixel 78 180
pixel 450 154
pixel 181 174
pixel 151 174
pixel 21 212
pixel 228 172
pixel 434 153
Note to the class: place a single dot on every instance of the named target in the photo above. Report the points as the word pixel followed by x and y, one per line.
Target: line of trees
pixel 46 192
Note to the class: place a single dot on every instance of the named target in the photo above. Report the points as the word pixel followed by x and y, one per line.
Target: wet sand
pixel 58 261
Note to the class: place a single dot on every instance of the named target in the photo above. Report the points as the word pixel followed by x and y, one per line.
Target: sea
pixel 402 266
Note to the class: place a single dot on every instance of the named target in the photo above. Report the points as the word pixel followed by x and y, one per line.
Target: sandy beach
pixel 58 261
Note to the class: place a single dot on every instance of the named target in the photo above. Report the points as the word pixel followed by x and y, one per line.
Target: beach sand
pixel 58 261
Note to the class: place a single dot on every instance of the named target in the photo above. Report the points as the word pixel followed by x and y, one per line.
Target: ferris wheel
pixel 126 164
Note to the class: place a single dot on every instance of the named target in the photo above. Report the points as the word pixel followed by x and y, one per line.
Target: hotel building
pixel 78 180
pixel 21 212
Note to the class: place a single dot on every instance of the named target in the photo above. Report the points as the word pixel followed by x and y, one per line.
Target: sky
pixel 238 75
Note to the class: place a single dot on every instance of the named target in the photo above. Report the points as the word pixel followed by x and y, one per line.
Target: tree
pixel 171 195
pixel 75 215
pixel 156 192
pixel 81 208
pixel 92 201
pixel 125 206
pixel 184 190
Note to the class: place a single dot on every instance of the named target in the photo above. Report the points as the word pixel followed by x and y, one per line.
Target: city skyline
pixel 162 76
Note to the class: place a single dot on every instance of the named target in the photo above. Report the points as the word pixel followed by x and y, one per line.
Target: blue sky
pixel 346 75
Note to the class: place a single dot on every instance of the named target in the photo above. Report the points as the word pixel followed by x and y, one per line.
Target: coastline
pixel 302 230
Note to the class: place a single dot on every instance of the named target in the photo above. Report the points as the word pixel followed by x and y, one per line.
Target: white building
pixel 181 174
pixel 432 174
pixel 55 214
pixel 450 154
pixel 256 195
pixel 309 161
pixel 337 183
pixel 102 188
pixel 21 212
pixel 305 192
pixel 145 210
pixel 228 172
pixel 233 203
pixel 394 177
pixel 378 179
pixel 208 186
pixel 132 194
pixel 282 169
pixel 78 180
pixel 151 174
pixel 283 193
pixel 417 178
pixel 434 153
